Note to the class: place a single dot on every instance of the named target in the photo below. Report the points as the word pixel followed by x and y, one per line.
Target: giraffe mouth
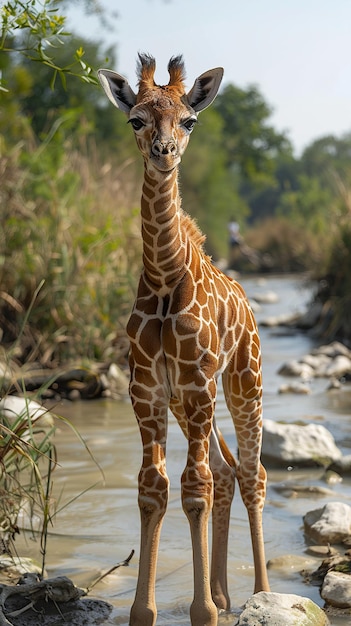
pixel 165 162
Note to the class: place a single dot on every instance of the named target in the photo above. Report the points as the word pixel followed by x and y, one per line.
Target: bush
pixel 282 246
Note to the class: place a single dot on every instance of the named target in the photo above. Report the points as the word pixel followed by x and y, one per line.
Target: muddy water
pixel 101 527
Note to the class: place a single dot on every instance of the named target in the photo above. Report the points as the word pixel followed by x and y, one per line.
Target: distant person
pixel 234 233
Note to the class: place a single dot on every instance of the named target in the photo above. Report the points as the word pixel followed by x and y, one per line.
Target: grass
pixel 28 458
pixel 72 239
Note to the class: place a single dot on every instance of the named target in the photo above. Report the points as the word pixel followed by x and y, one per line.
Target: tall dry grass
pixel 69 222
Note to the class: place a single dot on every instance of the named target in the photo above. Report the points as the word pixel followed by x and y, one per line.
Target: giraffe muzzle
pixel 165 155
pixel 164 148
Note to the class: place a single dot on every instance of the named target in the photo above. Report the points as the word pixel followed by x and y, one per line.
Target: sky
pixel 297 52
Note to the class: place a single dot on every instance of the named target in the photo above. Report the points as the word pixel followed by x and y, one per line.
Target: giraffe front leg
pixel 153 495
pixel 197 500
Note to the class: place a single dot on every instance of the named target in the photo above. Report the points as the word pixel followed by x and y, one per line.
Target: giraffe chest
pixel 179 337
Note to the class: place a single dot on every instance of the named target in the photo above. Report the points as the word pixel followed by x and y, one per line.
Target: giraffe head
pixel 162 117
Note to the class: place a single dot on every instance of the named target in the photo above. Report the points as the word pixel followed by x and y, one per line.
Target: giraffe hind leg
pixel 243 394
pixel 197 497
pixel 222 465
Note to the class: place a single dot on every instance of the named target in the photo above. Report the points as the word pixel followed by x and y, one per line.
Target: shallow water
pixel 101 527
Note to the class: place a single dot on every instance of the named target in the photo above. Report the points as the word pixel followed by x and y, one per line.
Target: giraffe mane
pixel 192 230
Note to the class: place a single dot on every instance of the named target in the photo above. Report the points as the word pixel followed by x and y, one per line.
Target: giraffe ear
pixel 117 90
pixel 205 89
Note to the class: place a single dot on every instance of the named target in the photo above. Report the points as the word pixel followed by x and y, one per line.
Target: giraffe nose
pixel 164 147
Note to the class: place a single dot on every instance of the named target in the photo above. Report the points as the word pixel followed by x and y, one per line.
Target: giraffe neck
pixel 164 247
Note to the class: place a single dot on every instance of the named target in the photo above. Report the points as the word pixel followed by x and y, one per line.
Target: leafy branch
pixel 35 30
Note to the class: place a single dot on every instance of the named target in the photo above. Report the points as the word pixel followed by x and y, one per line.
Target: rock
pixel 290 562
pixel 56 600
pixel 336 589
pixel 290 444
pixel 334 384
pixel 118 381
pixel 330 524
pixel 321 551
pixel 330 361
pixel 332 478
pixel 294 490
pixel 333 349
pixel 339 366
pixel 298 388
pixel 14 407
pixel 341 466
pixel 284 319
pixel 278 609
pixel 296 368
pixel 333 562
pixel 13 567
pixel 74 395
pixel 266 297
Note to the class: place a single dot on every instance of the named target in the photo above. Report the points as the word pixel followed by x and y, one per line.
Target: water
pixel 101 527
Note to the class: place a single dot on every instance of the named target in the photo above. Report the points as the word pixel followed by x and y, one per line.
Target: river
pixel 101 527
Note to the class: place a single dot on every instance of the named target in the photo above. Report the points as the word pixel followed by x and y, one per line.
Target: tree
pixel 209 189
pixel 250 143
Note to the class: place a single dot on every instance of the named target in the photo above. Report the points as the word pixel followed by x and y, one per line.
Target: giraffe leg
pixel 222 466
pixel 153 495
pixel 197 499
pixel 244 398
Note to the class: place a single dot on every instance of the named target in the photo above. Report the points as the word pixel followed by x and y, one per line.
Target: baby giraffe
pixel 189 325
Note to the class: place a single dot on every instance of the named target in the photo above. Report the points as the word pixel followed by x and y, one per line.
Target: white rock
pixel 336 589
pixel 342 466
pixel 284 319
pixel 266 297
pixel 14 407
pixel 330 524
pixel 318 362
pixel 291 443
pixel 278 609
pixel 297 388
pixel 339 366
pixel 333 350
pixel 118 379
pixel 16 566
pixel 296 368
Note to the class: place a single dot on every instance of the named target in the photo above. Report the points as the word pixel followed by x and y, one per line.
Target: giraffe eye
pixel 136 123
pixel 190 123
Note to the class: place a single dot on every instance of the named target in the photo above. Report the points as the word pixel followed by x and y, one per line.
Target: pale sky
pixel 298 52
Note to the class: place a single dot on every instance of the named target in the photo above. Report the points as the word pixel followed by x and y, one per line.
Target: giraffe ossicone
pixel 190 324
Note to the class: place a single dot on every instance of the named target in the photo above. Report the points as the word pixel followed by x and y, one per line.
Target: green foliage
pixel 66 222
pixel 250 143
pixel 287 246
pixel 42 31
pixel 210 191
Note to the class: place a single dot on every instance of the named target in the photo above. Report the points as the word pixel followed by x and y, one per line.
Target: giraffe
pixel 190 324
